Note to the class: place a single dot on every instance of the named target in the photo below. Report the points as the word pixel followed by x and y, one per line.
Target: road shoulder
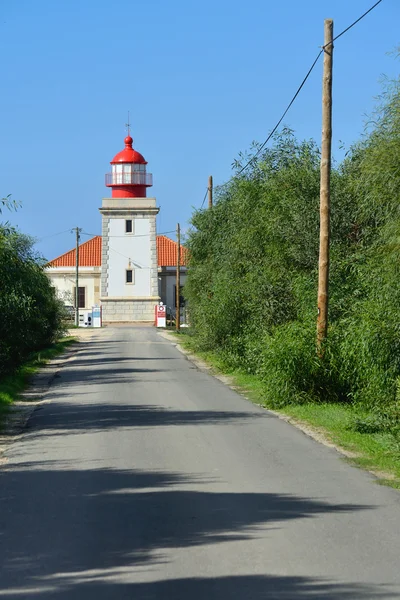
pixel 319 434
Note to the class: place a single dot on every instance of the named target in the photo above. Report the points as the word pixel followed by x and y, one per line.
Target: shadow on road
pixel 74 532
pixel 244 587
pixel 77 528
pixel 64 418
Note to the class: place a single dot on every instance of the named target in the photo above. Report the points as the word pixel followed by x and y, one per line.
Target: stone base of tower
pixel 128 310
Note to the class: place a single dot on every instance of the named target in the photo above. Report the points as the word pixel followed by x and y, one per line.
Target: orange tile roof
pixel 166 252
pixel 90 254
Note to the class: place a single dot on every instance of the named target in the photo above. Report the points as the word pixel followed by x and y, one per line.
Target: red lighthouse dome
pixel 129 178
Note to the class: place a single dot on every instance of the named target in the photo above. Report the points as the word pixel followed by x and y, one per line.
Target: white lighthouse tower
pixel 129 279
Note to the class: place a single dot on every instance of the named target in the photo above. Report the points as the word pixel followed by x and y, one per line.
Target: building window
pixel 129 276
pixel 128 226
pixel 181 298
pixel 81 297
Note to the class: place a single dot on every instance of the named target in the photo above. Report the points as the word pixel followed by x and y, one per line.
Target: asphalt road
pixel 146 478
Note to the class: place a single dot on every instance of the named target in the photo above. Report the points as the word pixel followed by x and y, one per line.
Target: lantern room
pixel 128 177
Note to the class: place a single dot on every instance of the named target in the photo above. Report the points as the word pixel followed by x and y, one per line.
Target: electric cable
pixel 45 237
pixel 204 199
pixel 354 23
pixel 283 115
pixel 130 259
pixel 133 236
pixel 299 90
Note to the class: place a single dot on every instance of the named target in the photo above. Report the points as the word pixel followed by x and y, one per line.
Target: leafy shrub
pixel 31 315
pixel 252 283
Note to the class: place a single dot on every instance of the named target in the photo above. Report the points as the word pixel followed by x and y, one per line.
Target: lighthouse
pixel 128 177
pixel 129 278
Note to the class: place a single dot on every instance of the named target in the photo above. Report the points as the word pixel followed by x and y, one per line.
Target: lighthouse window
pixel 129 226
pixel 129 276
pixel 127 174
pixel 117 174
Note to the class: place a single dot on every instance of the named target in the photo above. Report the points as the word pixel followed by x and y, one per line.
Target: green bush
pixel 31 315
pixel 252 283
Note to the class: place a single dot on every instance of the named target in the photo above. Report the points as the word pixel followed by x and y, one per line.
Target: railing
pixel 135 178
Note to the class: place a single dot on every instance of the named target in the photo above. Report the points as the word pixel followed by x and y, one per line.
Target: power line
pixel 130 259
pixel 284 113
pixel 204 199
pixel 355 22
pixel 302 84
pixel 133 236
pixel 45 237
pixel 278 123
pixel 134 262
pixel 299 90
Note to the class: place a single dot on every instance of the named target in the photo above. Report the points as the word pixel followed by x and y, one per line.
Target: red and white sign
pixel 161 315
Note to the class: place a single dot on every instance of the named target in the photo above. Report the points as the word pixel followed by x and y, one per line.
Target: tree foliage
pixel 30 314
pixel 252 284
pixel 9 203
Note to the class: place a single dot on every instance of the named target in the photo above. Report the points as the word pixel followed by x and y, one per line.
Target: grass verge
pixel 375 452
pixel 12 385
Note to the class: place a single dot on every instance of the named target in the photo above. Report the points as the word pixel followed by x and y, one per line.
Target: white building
pixel 129 269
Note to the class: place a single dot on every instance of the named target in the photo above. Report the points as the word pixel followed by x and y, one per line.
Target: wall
pixel 123 246
pixel 125 310
pixel 121 301
pixel 63 279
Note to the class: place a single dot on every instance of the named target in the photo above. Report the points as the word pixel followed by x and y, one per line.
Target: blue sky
pixel 201 81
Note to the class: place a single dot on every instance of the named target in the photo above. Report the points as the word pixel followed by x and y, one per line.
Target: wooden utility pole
pixel 77 231
pixel 178 278
pixel 324 235
pixel 210 191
